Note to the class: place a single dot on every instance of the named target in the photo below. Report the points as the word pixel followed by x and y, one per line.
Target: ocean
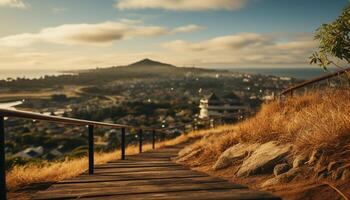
pixel 300 73
pixel 10 104
pixel 31 74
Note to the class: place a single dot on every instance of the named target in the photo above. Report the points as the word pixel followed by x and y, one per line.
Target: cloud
pixel 13 4
pixel 247 49
pixel 188 28
pixel 230 42
pixel 101 33
pixel 186 5
pixel 237 50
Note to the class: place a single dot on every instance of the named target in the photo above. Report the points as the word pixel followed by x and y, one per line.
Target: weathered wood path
pixel 149 175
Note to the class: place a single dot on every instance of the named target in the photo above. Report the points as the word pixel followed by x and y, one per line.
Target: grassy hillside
pixel 315 125
pixel 317 120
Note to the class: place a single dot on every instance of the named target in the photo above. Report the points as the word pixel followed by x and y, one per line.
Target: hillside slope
pixel 293 147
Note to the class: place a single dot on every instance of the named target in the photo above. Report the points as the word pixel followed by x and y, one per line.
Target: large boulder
pixel 233 154
pixel 264 159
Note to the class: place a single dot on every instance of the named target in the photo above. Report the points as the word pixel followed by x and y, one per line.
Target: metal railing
pixel 4 113
pixel 291 90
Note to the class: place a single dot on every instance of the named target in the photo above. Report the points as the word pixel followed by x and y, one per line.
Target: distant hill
pixel 149 63
pixel 143 69
pixel 146 68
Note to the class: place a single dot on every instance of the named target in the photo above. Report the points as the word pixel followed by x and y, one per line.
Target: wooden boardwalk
pixel 150 175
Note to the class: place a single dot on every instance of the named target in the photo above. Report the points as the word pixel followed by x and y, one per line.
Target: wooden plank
pixel 117 190
pixel 130 161
pixel 143 157
pixel 145 173
pixel 149 175
pixel 137 169
pixel 141 173
pixel 226 194
pixel 139 162
pixel 136 165
pixel 201 194
pixel 135 158
pixel 106 178
pixel 157 156
pixel 141 170
pixel 188 180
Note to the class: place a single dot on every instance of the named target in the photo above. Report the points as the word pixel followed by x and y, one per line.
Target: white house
pixel 228 108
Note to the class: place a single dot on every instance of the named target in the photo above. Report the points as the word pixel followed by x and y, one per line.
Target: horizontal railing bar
pixel 321 78
pixel 63 120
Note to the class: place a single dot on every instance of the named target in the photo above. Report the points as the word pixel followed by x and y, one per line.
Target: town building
pixel 218 110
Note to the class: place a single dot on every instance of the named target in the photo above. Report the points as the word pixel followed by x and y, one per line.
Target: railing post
pixel 123 144
pixel 140 140
pixel 2 159
pixel 91 149
pixel 163 136
pixel 153 139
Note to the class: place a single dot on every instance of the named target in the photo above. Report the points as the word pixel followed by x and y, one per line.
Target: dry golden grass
pixel 20 176
pixel 316 120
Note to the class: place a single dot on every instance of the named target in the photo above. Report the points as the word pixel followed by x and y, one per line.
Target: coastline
pixel 298 73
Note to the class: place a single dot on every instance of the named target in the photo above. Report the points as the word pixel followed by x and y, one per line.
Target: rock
pixel 334 170
pixel 282 178
pixel 322 172
pixel 345 175
pixel 333 165
pixel 336 175
pixel 280 169
pixel 185 151
pixel 264 159
pixel 342 172
pixel 315 155
pixel 323 175
pixel 271 182
pixel 189 155
pixel 299 160
pixel 233 154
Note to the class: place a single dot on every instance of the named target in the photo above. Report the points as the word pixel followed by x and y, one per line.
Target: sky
pixel 80 34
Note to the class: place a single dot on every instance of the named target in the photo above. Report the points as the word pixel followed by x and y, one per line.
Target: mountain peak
pixel 149 62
